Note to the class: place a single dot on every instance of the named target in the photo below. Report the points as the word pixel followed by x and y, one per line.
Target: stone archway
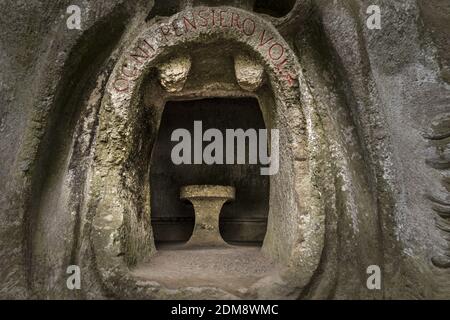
pixel 369 190
pixel 119 205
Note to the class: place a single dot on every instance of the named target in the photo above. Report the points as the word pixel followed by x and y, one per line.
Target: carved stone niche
pixel 131 113
pixel 315 220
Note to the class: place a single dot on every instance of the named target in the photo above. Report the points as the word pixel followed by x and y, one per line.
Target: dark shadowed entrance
pixel 243 221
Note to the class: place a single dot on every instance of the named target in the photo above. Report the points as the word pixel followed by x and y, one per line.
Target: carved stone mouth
pixel 131 114
pixel 111 200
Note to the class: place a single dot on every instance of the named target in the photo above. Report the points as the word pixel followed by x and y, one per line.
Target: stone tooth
pixel 249 73
pixel 174 73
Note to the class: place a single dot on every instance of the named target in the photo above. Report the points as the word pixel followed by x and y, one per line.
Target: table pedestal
pixel 207 201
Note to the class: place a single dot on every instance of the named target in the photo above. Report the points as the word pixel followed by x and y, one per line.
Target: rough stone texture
pixel 173 74
pixel 239 271
pixel 249 74
pixel 364 142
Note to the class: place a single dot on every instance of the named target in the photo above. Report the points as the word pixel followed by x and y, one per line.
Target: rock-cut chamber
pixel 243 221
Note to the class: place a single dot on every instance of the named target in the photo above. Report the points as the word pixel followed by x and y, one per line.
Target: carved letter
pixel 221 12
pixel 204 19
pixel 187 22
pixel 141 52
pixel 261 39
pixel 271 51
pixel 235 20
pixel 176 28
pixel 121 84
pixel 248 32
pixel 164 31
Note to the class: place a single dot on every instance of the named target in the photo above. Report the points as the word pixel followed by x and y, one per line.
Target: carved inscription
pixel 207 18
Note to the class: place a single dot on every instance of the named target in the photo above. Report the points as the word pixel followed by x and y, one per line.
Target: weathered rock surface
pixel 364 140
pixel 249 74
pixel 173 74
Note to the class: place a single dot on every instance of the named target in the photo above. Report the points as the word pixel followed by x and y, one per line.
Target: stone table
pixel 207 201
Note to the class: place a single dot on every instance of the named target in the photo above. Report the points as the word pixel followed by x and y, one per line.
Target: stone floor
pixel 233 269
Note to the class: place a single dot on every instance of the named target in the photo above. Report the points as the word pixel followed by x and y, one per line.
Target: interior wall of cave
pixel 363 146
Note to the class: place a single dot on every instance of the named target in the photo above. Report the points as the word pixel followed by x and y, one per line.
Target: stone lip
pixel 207 191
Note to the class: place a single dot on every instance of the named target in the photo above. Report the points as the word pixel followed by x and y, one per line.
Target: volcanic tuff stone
pixel 364 141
